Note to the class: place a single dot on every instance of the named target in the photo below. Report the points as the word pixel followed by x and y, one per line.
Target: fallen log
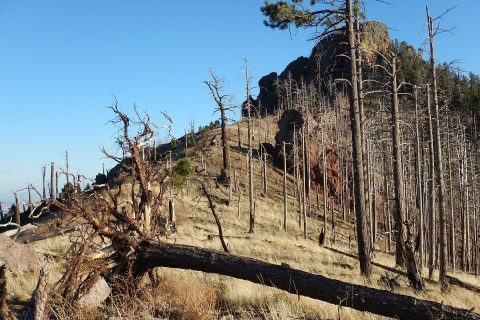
pixel 43 236
pixel 382 266
pixel 152 254
pixel 460 283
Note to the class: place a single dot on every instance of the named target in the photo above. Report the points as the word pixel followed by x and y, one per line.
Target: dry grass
pixel 183 294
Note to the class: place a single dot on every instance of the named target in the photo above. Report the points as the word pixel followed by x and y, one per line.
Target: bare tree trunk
pixel 44 172
pixel 52 180
pixel 325 186
pixel 17 211
pixel 66 164
pixel 250 158
pixel 304 193
pixel 356 128
pixel 30 202
pixel 226 149
pixel 56 184
pixel 438 157
pixel 419 183
pixel 452 219
pixel 284 186
pixel 397 171
pixel 431 221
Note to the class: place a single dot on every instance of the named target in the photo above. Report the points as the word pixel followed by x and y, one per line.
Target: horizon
pixel 63 63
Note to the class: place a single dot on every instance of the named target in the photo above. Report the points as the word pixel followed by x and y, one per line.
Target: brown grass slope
pixel 184 294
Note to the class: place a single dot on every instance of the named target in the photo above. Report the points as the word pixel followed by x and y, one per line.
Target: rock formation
pixel 323 61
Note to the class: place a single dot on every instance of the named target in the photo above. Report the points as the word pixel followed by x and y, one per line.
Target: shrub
pixel 67 190
pixel 173 143
pixel 182 169
pixel 100 178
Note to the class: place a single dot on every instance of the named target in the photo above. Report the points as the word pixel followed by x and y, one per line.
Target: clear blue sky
pixel 61 62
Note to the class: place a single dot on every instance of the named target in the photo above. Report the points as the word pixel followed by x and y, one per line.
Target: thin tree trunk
pixel 52 180
pixel 438 157
pixel 356 128
pixel 284 186
pixel 431 202
pixel 419 186
pixel 397 171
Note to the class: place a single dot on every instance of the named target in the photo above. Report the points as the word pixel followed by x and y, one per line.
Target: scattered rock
pixel 19 258
pixel 99 292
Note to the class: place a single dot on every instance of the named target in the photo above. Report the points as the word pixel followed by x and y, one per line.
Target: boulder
pixel 19 258
pixel 97 294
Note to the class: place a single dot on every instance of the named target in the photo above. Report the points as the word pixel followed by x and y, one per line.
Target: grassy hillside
pixel 184 294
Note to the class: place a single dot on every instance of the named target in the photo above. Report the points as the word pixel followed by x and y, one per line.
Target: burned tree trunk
pixel 251 199
pixel 438 155
pixel 52 180
pixel 431 187
pixel 284 186
pixel 356 128
pixel 223 105
pixel 397 170
pixel 154 254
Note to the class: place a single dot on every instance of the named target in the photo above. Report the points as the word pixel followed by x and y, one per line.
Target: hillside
pixel 183 294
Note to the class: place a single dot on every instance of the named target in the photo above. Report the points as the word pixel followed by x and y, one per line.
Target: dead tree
pixel 52 180
pixel 144 172
pixel 224 104
pixel 431 187
pixel 357 146
pixel 335 17
pixel 438 153
pixel 153 254
pixel 250 153
pixel 284 153
pixel 397 168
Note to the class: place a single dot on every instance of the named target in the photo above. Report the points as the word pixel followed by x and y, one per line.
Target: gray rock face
pixel 96 295
pixel 323 61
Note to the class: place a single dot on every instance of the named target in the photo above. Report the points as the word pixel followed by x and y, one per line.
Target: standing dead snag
pixel 132 210
pixel 251 199
pixel 144 172
pixel 224 104
pixel 438 153
pixel 284 153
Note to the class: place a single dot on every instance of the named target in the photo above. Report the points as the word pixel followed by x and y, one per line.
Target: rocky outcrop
pixel 297 119
pixel 323 61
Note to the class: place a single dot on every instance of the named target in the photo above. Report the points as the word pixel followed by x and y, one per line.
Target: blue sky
pixel 61 62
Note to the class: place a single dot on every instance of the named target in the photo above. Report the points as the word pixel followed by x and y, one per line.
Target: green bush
pixel 100 179
pixel 182 169
pixel 173 143
pixel 212 125
pixel 67 190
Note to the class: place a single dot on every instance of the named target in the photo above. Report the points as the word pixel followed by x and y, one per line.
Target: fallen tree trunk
pixel 152 254
pixel 43 236
pixel 460 283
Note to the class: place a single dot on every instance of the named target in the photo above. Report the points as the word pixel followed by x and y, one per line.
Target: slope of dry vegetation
pixel 184 294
